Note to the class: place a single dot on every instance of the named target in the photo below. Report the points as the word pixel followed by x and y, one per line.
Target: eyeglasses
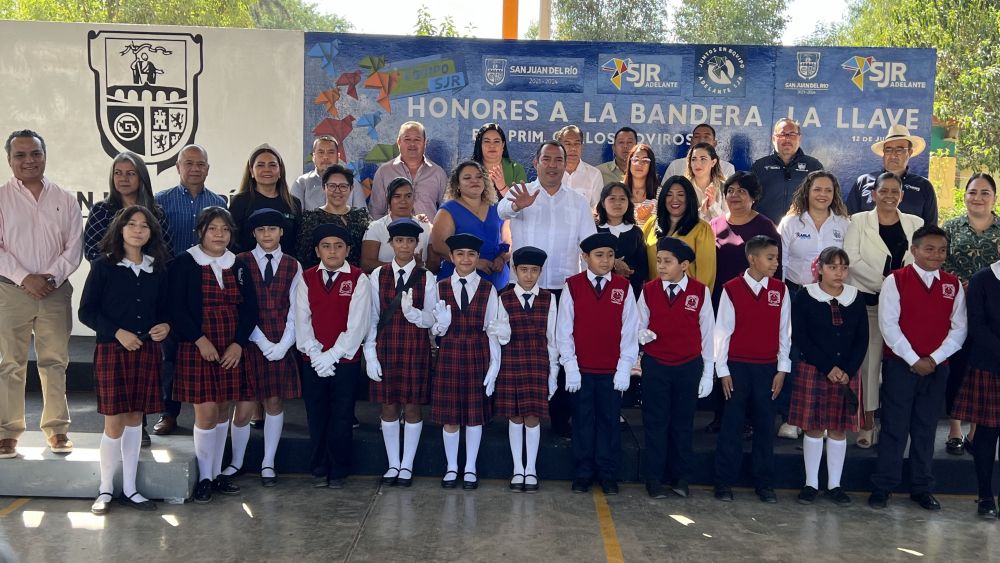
pixel 898 151
pixel 337 187
pixel 787 135
pixel 636 160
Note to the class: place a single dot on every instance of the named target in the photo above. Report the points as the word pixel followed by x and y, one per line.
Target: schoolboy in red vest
pixel 752 341
pixel 676 321
pixel 333 308
pixel 923 321
pixel 530 367
pixel 398 350
pixel 596 330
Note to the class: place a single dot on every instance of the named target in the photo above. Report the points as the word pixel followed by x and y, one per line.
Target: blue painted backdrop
pixel 361 88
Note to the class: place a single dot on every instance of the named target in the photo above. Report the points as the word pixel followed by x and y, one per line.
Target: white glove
pixel 265 346
pixel 573 381
pixel 490 382
pixel 646 336
pixel 411 313
pixel 705 386
pixel 442 315
pixel 374 369
pixel 330 372
pixel 553 380
pixel 278 352
pixel 324 362
pixel 500 330
pixel 622 380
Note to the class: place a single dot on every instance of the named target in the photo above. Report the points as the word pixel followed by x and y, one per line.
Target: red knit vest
pixel 924 312
pixel 677 325
pixel 758 321
pixel 329 308
pixel 597 322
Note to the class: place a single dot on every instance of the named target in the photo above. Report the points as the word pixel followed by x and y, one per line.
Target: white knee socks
pixel 273 423
pixel 515 432
pixel 532 436
pixel 836 451
pixel 221 431
pixel 204 451
pixel 411 438
pixel 451 448
pixel 110 458
pixel 240 438
pixel 473 435
pixel 812 453
pixel 131 441
pixel 390 435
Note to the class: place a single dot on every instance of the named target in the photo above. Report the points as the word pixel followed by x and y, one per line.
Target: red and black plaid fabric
pixel 457 392
pixel 978 400
pixel 522 387
pixel 837 318
pixel 403 349
pixel 198 381
pixel 264 378
pixel 127 381
pixel 819 404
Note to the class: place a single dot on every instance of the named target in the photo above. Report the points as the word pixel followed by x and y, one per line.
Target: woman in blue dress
pixel 471 208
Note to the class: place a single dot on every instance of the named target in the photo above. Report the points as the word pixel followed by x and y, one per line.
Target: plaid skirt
pixel 127 381
pixel 198 381
pixel 457 394
pixel 264 379
pixel 978 399
pixel 525 391
pixel 819 404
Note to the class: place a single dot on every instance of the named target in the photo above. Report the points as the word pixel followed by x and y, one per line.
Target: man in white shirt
pixel 702 133
pixel 309 186
pixel 580 176
pixel 550 215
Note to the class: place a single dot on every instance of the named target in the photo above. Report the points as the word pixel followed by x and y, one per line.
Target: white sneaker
pixel 789 432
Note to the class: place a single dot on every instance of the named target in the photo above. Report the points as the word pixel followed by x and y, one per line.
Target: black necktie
pixel 672 289
pixel 399 282
pixel 268 270
pixel 329 279
pixel 527 301
pixel 465 294
pixel 597 285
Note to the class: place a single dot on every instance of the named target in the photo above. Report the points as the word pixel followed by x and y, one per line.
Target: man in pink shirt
pixel 428 179
pixel 41 244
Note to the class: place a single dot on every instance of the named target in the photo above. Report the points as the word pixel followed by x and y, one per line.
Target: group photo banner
pixel 360 89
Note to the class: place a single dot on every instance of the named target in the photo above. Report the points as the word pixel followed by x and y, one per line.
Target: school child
pixel 466 354
pixel 213 308
pixel 271 372
pixel 596 331
pixel 752 341
pixel 397 349
pixel 527 330
pixel 332 307
pixel 979 395
pixel 125 302
pixel 830 332
pixel 616 215
pixel 675 329
pixel 923 321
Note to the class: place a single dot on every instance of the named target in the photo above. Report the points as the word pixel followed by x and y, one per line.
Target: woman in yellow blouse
pixel 677 216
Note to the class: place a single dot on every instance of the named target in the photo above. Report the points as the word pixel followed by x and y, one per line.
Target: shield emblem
pixel 146 92
pixel 495 71
pixel 808 66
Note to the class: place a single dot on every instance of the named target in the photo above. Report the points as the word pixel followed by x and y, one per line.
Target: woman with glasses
pixel 641 181
pixel 704 172
pixel 338 182
pixel 490 150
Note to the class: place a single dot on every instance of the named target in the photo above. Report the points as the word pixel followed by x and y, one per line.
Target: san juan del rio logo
pixel 146 92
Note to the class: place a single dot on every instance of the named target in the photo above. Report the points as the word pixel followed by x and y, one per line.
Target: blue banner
pixel 362 88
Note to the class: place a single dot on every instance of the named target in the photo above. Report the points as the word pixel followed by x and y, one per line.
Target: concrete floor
pixel 365 522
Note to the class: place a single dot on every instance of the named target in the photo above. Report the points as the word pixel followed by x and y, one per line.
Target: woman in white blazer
pixel 878 242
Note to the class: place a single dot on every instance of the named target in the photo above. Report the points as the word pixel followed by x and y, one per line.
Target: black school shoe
pixel 404 481
pixel 681 489
pixel 225 487
pixel 879 499
pixel 530 487
pixel 655 490
pixel 203 492
pixel 955 446
pixel 724 493
pixel 987 508
pixel 468 485
pixel 807 495
pixel 926 501
pixel 144 506
pixel 447 483
pixel 766 494
pixel 581 485
pixel 609 487
pixel 838 496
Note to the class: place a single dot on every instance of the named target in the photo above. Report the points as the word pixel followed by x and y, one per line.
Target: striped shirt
pixel 182 214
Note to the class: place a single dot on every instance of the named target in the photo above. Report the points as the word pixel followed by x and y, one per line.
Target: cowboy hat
pixel 897 132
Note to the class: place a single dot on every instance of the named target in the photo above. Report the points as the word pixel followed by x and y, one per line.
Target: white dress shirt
pixel 349 341
pixel 678 167
pixel 492 304
pixel 801 243
pixel 550 325
pixel 629 345
pixel 217 263
pixel 706 322
pixel 288 336
pixel 554 223
pixel 587 181
pixel 378 231
pixel 725 324
pixel 888 320
pixel 427 313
